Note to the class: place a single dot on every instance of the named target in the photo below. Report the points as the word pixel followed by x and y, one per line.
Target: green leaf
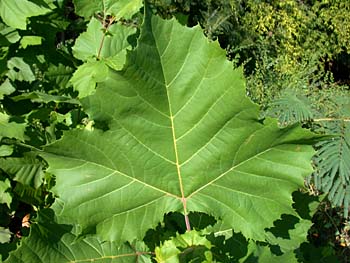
pixel 320 254
pixel 6 150
pixel 30 41
pixel 58 244
pixel 94 43
pixel 11 129
pixel 86 77
pixel 59 75
pixel 37 96
pixel 29 195
pixel 15 13
pixel 27 170
pixel 8 35
pixel 5 197
pixel 190 244
pixel 292 230
pixel 333 167
pixel 181 136
pixel 227 246
pixel 19 70
pixel 6 88
pixel 263 254
pixel 5 235
pixel 117 8
pixel 110 48
pixel 289 239
pixel 291 108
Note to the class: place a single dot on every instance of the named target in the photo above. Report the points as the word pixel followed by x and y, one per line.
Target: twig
pixel 105 26
pixel 332 119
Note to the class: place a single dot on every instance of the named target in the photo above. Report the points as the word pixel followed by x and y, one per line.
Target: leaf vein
pixel 226 172
pixel 140 142
pixel 204 115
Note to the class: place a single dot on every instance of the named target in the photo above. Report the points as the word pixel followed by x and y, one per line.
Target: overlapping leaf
pixel 183 248
pixel 100 49
pixel 5 196
pixel 19 70
pixel 6 88
pixel 15 13
pixel 97 43
pixel 58 244
pixel 182 136
pixel 11 129
pixel 26 170
pixel 5 235
pixel 8 35
pixel 117 8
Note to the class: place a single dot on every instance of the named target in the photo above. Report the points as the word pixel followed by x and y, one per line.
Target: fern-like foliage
pixel 332 160
pixel 291 107
pixel 332 163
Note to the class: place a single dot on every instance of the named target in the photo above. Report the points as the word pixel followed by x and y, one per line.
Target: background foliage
pixel 296 63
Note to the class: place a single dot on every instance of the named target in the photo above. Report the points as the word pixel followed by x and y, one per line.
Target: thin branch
pixel 332 119
pixel 105 26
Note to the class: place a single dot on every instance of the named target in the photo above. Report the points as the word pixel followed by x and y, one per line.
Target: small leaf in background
pixel 116 62
pixel 11 129
pixel 95 43
pixel 26 170
pixel 5 235
pixel 8 35
pixel 53 242
pixel 109 48
pixel 19 70
pixel 125 8
pixel 185 248
pixel 41 97
pixel 228 246
pixel 30 41
pixel 333 167
pixel 6 88
pixel 59 75
pixel 15 13
pixel 288 232
pixel 117 8
pixel 86 77
pixel 5 197
pixel 291 108
pixel 6 150
pixel 29 195
pixel 265 254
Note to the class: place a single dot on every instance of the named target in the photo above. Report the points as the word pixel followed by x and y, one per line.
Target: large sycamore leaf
pixel 182 136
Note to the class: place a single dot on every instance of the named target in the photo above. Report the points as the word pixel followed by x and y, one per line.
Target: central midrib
pixel 171 115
